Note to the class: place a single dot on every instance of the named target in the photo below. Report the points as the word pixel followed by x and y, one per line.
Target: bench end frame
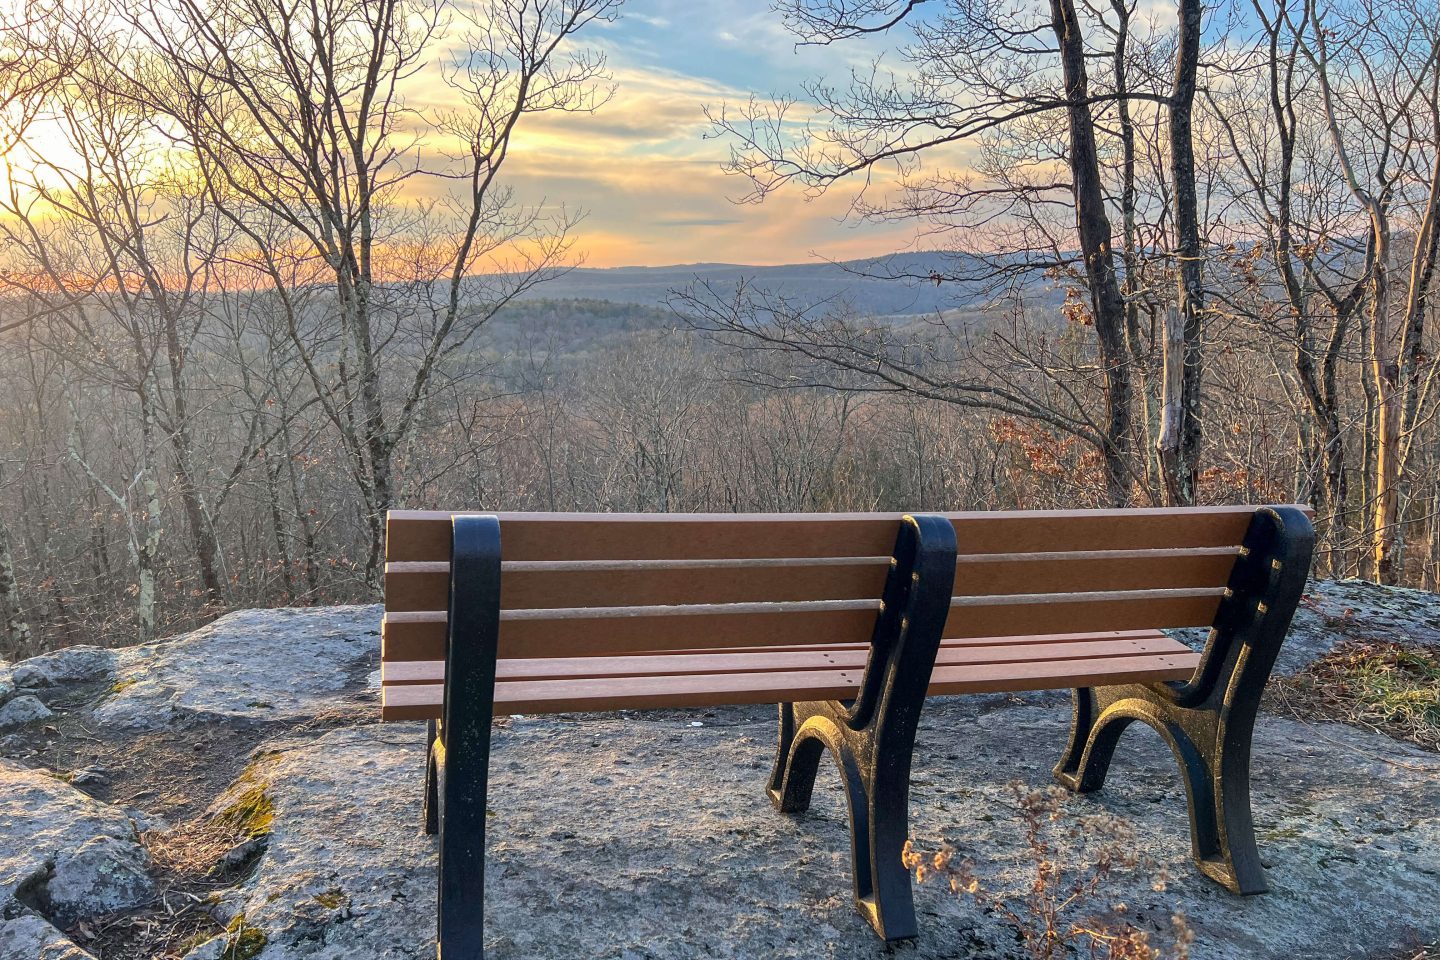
pixel 458 766
pixel 872 738
pixel 1208 721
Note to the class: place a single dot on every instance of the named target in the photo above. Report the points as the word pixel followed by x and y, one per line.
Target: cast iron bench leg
pixel 461 755
pixel 872 738
pixel 430 806
pixel 1208 721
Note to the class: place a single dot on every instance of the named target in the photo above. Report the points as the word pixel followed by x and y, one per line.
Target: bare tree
pixel 305 139
pixel 1382 103
pixel 986 76
pixel 1179 440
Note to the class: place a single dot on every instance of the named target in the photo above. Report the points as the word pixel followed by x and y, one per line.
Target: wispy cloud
pixel 644 168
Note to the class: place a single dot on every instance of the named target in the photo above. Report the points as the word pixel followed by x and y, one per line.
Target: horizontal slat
pixel 1053 674
pixel 434 648
pixel 417 586
pixel 422 702
pixel 603 631
pixel 425 535
pixel 408 648
pixel 539 589
pixel 1086 637
pixel 1136 614
pixel 795 658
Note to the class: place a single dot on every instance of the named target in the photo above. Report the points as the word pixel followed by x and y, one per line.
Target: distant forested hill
pixel 897 285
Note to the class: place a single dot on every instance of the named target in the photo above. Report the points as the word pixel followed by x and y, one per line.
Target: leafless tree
pixel 305 140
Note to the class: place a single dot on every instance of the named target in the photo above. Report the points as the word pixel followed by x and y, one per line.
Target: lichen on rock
pixel 64 856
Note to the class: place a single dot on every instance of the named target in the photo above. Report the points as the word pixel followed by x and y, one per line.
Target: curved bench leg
pixel 876 796
pixel 873 737
pixel 1209 720
pixel 796 765
pixel 1222 835
pixel 890 905
pixel 1086 761
pixel 430 805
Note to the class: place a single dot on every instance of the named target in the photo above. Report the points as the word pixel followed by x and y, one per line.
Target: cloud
pixel 644 167
pixel 697 221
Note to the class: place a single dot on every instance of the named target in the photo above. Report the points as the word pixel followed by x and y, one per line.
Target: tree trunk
pixel 202 532
pixel 1179 442
pixel 14 631
pixel 1095 235
pixel 146 539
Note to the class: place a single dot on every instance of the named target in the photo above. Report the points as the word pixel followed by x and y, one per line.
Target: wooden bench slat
pixel 795 658
pixel 423 701
pixel 1086 637
pixel 417 586
pixel 601 631
pixel 433 648
pixel 425 535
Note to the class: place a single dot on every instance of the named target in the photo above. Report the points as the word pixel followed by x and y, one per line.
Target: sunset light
pixel 719 479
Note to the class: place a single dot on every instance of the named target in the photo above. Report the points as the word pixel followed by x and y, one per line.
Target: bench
pixel 848 622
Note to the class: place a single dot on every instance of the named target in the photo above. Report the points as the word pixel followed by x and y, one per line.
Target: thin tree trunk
pixel 1095 235
pixel 202 532
pixel 13 629
pixel 1179 442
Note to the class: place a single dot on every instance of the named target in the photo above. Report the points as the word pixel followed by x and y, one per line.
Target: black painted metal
pixel 1208 720
pixel 460 755
pixel 430 806
pixel 872 738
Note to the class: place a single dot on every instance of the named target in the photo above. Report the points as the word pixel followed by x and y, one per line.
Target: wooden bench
pixel 848 621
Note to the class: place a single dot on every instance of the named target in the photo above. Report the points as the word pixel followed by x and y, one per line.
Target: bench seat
pixel 414 690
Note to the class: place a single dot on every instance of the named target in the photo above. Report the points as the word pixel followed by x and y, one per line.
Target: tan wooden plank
pixel 405 648
pixel 412 703
pixel 410 640
pixel 419 702
pixel 425 585
pixel 536 589
pixel 1139 614
pixel 610 630
pixel 1062 674
pixel 795 658
pixel 975 641
pixel 425 535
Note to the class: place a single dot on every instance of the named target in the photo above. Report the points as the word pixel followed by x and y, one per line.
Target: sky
pixel 643 169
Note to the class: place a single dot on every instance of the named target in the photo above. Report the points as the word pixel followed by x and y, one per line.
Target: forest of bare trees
pixel 247 291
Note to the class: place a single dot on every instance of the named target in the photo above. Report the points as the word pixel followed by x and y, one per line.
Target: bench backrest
pixel 587 584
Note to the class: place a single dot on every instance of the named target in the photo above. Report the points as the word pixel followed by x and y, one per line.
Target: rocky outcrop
pixel 28 937
pixel 1337 610
pixel 80 664
pixel 22 710
pixel 261 665
pixel 648 835
pixel 643 836
pixel 65 857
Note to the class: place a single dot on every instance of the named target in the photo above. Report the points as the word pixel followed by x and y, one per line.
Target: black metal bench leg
pixel 1237 863
pixel 430 806
pixel 1086 761
pixel 890 907
pixel 872 738
pixel 796 765
pixel 1209 720
pixel 462 756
